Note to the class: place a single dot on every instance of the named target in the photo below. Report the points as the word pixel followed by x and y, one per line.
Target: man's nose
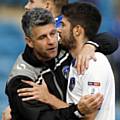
pixel 59 30
pixel 51 40
pixel 27 7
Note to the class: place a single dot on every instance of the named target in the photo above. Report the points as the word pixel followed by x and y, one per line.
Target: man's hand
pixel 86 53
pixel 41 93
pixel 37 92
pixel 90 103
pixel 6 115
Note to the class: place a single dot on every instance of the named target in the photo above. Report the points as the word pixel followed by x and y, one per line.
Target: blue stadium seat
pixel 11 44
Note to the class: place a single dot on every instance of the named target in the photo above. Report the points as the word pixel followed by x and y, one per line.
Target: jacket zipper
pixel 57 86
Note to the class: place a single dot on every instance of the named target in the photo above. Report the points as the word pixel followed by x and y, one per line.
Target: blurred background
pixel 12 39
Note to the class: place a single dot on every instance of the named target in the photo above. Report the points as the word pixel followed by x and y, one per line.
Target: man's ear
pixel 29 41
pixel 78 30
pixel 48 4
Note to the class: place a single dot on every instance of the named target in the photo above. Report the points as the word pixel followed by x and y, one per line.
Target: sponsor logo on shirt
pixel 94 83
pixel 21 66
pixel 93 87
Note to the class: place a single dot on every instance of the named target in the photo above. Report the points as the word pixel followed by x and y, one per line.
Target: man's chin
pixel 53 55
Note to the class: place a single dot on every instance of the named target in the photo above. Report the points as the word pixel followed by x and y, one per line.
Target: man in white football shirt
pixel 80 23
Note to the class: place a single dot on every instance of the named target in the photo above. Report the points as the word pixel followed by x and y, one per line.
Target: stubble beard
pixel 70 42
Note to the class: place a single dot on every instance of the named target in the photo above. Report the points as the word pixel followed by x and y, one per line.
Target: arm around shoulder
pixel 107 43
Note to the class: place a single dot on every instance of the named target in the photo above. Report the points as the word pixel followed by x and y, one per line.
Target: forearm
pixel 88 113
pixel 56 103
pixel 42 94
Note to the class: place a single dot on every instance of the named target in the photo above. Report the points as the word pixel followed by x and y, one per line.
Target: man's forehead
pixel 45 28
pixel 37 0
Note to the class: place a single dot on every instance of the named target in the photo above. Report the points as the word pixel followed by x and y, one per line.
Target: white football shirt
pixel 98 78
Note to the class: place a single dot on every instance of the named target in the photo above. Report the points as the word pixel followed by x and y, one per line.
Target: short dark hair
pixel 36 17
pixel 60 3
pixel 84 14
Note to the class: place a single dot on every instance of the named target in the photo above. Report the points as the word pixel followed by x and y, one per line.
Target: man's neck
pixel 75 51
